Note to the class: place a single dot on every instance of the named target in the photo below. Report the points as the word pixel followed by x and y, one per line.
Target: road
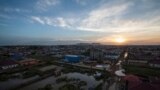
pixel 115 67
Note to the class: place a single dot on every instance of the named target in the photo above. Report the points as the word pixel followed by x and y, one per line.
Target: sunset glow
pixel 120 40
pixel 54 22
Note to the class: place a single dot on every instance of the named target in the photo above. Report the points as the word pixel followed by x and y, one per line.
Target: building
pixel 72 58
pixel 154 63
pixel 47 68
pixel 28 62
pixel 8 64
pixel 132 82
pixel 16 56
pixel 112 57
pixel 96 54
pixel 137 62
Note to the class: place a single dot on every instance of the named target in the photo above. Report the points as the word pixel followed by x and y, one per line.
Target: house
pixel 144 86
pixel 137 62
pixel 154 63
pixel 132 82
pixel 28 62
pixel 8 64
pixel 16 56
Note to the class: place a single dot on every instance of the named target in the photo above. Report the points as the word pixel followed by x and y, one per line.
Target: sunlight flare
pixel 120 40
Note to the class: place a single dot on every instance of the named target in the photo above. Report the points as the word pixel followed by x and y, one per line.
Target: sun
pixel 120 40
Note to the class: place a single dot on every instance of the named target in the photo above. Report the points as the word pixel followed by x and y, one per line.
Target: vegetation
pixel 44 58
pixel 30 73
pixel 70 69
pixel 62 79
pixel 104 76
pixel 68 87
pixel 98 78
pixel 82 83
pixel 4 77
pixel 72 83
pixel 141 70
pixel 47 87
pixel 65 79
pixel 98 87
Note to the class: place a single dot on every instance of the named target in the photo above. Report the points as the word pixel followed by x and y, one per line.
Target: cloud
pixel 94 21
pixel 18 10
pixel 112 18
pixel 58 21
pixel 102 17
pixel 43 5
pixel 81 2
pixel 38 19
pixel 108 17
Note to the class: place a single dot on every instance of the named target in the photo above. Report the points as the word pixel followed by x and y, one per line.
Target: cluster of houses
pixel 18 56
pixel 93 55
pixel 11 59
pixel 144 56
pixel 9 64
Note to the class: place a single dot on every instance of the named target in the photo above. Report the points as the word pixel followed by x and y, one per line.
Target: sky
pixel 50 22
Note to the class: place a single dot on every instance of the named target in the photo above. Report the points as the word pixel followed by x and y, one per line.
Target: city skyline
pixel 50 22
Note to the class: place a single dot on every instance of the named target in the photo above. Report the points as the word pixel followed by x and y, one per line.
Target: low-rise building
pixel 47 68
pixel 8 64
pixel 137 62
pixel 154 63
pixel 132 82
pixel 28 62
pixel 72 58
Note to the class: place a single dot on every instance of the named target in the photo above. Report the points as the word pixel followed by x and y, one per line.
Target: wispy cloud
pixel 38 19
pixel 106 18
pixel 61 22
pixel 43 5
pixel 58 22
pixel 19 10
pixel 95 20
pixel 103 17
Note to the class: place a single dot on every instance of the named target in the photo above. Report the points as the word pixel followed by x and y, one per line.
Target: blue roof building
pixel 72 58
pixel 17 56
